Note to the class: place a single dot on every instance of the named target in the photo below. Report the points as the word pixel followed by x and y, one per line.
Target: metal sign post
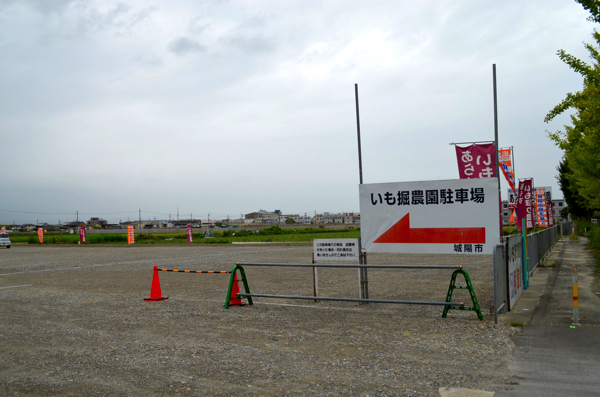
pixel 363 283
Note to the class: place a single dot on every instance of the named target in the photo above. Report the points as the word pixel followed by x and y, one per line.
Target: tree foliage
pixel 580 168
pixel 593 7
pixel 575 202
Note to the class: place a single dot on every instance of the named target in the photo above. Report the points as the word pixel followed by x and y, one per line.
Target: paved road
pixel 551 357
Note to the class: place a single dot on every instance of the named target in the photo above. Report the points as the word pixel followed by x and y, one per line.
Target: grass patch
pixel 517 324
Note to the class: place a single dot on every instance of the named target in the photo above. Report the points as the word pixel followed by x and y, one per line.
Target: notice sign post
pixel 341 249
pixel 345 249
pixel 457 216
pixel 82 236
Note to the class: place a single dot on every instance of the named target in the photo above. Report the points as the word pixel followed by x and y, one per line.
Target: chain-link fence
pixel 539 245
pixel 509 269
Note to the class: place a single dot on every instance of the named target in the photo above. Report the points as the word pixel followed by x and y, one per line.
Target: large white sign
pixel 342 249
pixel 458 216
pixel 515 269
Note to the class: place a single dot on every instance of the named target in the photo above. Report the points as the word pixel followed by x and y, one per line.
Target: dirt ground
pixel 74 322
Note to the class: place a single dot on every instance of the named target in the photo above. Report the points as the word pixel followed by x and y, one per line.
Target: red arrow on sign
pixel 402 233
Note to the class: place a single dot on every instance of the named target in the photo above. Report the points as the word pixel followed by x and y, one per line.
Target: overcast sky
pixel 228 107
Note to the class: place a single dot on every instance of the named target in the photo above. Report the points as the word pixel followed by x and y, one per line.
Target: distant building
pixel 345 218
pixel 558 206
pixel 96 222
pixel 263 216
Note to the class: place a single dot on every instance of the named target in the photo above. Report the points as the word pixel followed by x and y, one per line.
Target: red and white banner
pixel 550 210
pixel 505 161
pixel 189 234
pixel 82 235
pixel 525 209
pixel 540 206
pixel 3 230
pixel 476 161
pixel 41 235
pixel 130 235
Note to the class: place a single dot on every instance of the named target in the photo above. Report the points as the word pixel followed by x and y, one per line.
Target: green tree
pixel 290 221
pixel 575 202
pixel 581 141
pixel 593 7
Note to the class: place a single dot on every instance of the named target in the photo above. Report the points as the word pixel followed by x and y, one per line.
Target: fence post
pixel 525 271
pixel 500 283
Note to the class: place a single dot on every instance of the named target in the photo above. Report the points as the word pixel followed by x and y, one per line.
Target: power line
pixel 67 213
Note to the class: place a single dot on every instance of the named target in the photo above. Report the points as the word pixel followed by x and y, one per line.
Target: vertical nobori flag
pixel 525 207
pixel 130 235
pixel 550 209
pixel 82 235
pixel 549 206
pixel 540 206
pixel 512 204
pixel 476 161
pixel 189 233
pixel 3 230
pixel 41 235
pixel 506 165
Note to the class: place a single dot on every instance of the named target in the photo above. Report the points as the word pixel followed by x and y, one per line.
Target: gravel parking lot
pixel 74 322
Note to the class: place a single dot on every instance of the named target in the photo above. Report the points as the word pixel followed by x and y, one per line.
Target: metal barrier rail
pixel 352 266
pixel 235 295
pixel 323 298
pixel 194 271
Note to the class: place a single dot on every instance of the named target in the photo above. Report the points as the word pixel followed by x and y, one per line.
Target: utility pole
pixel 496 147
pixel 140 222
pixel 362 256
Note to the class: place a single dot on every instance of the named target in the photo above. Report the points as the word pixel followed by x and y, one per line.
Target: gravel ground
pixel 73 322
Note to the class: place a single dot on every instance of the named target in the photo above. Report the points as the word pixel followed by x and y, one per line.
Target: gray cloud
pixel 184 46
pixel 250 45
pixel 101 107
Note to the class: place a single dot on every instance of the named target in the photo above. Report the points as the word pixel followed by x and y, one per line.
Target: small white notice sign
pixel 343 249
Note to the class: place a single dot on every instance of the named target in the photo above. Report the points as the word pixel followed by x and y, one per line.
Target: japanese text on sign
pixel 336 249
pixel 468 248
pixel 525 207
pixel 429 197
pixel 476 161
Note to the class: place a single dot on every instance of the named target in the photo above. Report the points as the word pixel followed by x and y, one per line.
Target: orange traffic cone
pixel 234 299
pixel 155 294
